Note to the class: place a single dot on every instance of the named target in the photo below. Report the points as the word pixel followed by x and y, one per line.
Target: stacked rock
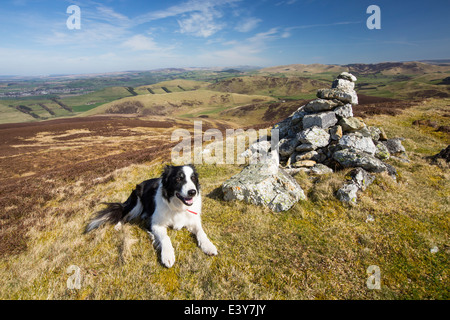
pixel 305 137
pixel 324 133
pixel 317 136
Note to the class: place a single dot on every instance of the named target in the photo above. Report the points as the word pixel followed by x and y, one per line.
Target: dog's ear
pixel 166 173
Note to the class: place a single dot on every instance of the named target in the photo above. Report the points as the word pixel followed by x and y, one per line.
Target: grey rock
pixel 309 155
pixel 315 136
pixel 254 184
pixel 353 158
pixel 347 76
pixel 336 132
pixel 348 193
pixel 283 127
pixel 343 84
pixel 359 142
pixel 260 146
pixel 345 111
pixel 351 124
pixel 344 96
pixel 304 163
pixel 361 178
pixel 394 146
pixel 382 152
pixel 322 120
pixel 286 146
pixel 305 147
pixel 320 169
pixel 321 105
pixel 375 133
pixel 298 115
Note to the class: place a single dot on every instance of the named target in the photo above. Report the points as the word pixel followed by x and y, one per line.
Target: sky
pixel 37 36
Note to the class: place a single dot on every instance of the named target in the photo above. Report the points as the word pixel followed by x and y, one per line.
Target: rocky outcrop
pixel 323 134
pixel 255 184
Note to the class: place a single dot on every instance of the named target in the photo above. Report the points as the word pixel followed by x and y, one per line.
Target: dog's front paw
pixel 168 257
pixel 209 248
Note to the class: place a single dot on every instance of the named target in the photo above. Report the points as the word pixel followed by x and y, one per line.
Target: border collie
pixel 173 200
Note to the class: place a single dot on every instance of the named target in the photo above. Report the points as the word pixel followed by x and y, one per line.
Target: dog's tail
pixel 113 213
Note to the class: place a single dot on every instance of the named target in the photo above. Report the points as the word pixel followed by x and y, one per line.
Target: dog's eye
pixel 193 178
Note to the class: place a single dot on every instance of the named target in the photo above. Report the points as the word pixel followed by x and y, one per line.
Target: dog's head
pixel 180 183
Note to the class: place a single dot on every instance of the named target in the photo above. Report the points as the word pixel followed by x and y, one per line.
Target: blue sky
pixel 120 35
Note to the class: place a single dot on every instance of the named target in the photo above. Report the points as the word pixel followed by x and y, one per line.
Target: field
pixel 55 174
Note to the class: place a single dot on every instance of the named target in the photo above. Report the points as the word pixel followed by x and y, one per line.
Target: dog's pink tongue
pixel 189 201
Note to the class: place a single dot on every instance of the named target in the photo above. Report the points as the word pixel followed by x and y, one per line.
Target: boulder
pixel 347 76
pixel 361 178
pixel 260 146
pixel 359 142
pixel 283 127
pixel 305 147
pixel 320 169
pixel 383 136
pixel 352 158
pixel 319 105
pixel 286 146
pixel 382 152
pixel 336 132
pixel 351 124
pixel 343 84
pixel 315 136
pixel 345 111
pixel 394 146
pixel 298 115
pixel 348 193
pixel 257 185
pixel 375 133
pixel 322 120
pixel 341 95
pixel 306 155
pixel 304 163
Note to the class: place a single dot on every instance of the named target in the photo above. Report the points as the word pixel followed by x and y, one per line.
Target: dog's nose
pixel 192 193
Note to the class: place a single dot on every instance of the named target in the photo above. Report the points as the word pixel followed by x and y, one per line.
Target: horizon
pixel 42 38
pixel 205 68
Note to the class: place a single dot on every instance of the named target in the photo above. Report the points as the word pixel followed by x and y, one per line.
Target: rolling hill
pixel 281 87
pixel 177 85
pixel 184 104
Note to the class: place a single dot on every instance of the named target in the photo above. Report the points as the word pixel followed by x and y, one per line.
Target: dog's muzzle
pixel 189 201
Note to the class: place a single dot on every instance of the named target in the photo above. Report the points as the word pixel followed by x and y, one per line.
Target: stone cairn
pixel 317 137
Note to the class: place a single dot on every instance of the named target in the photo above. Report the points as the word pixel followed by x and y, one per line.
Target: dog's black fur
pixel 171 180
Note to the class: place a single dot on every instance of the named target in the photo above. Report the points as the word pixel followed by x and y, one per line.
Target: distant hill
pixel 385 68
pixel 183 104
pixel 169 86
pixel 270 86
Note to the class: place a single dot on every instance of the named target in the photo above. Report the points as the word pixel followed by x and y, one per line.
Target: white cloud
pixel 248 24
pixel 201 24
pixel 141 43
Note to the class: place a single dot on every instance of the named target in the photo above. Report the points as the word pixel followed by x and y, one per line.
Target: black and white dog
pixel 173 200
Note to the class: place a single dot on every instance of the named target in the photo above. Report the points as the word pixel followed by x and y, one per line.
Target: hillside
pixel 36 109
pixel 183 104
pixel 293 87
pixel 177 85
